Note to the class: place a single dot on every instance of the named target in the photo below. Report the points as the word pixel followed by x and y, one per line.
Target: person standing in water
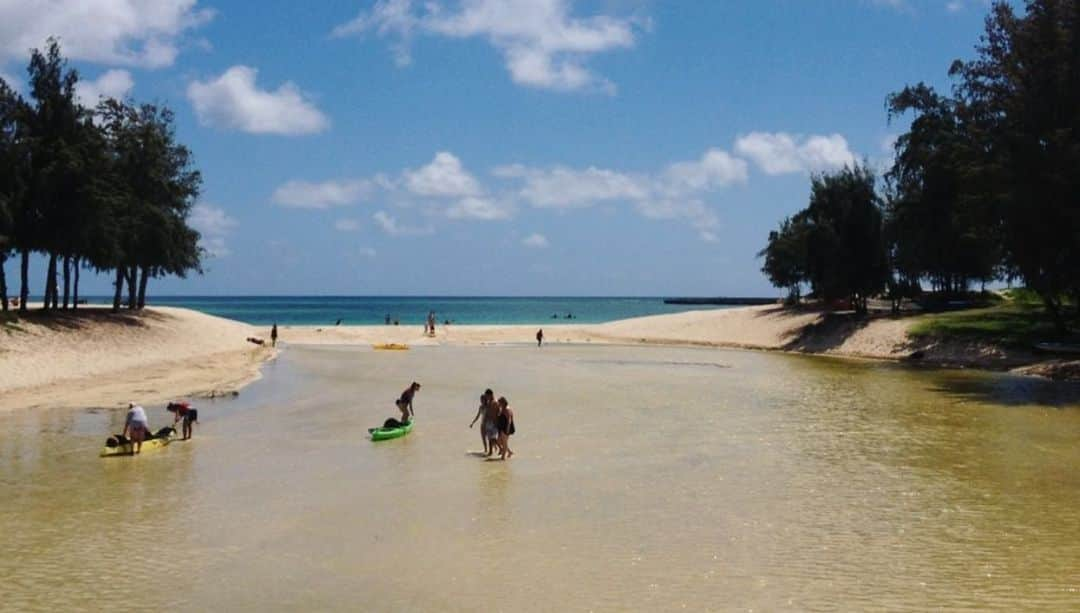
pixel 136 426
pixel 491 425
pixel 505 424
pixel 486 399
pixel 405 403
pixel 273 335
pixel 540 337
pixel 183 411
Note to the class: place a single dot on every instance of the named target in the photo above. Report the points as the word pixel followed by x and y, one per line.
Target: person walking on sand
pixel 486 399
pixel 136 426
pixel 273 335
pixel 405 403
pixel 506 427
pixel 540 337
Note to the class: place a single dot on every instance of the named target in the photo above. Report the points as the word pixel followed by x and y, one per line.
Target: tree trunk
pixel 119 288
pixel 50 283
pixel 55 285
pixel 142 287
pixel 75 293
pixel 24 271
pixel 3 283
pixel 132 275
pixel 67 280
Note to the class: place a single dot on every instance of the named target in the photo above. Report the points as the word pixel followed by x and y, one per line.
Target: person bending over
pixel 136 426
pixel 183 411
pixel 405 403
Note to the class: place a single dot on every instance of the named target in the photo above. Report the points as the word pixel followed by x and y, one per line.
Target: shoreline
pixel 94 358
pixel 757 328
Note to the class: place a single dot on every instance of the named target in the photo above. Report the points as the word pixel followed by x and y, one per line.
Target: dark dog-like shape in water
pixel 117 440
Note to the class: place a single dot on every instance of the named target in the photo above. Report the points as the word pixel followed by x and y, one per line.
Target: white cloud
pixel 233 101
pixel 716 168
pixel 387 17
pixel 701 217
pixel 674 193
pixel 305 195
pixel 542 44
pixel 144 33
pixel 111 84
pixel 536 241
pixel 783 153
pixel 213 225
pixel 366 252
pixel 390 225
pixel 443 184
pixel 483 209
pixel 443 177
pixel 347 225
pixel 562 188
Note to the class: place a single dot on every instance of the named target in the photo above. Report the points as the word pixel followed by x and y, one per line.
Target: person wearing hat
pixel 136 426
pixel 404 404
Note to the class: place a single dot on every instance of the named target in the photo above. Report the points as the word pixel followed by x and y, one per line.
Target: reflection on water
pixel 645 478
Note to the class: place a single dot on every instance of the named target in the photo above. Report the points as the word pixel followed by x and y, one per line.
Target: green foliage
pixel 984 185
pixel 108 190
pixel 939 226
pixel 835 244
pixel 786 257
pixel 1022 98
pixel 1017 323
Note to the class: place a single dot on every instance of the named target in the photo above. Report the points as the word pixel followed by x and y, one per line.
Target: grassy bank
pixel 1020 320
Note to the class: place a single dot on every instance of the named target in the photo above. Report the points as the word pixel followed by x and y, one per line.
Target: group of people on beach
pixel 495 416
pixel 496 424
pixel 137 424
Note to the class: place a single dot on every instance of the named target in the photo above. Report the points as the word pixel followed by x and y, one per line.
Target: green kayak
pixel 382 434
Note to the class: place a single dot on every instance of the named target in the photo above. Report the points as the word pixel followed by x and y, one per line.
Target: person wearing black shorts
pixel 184 411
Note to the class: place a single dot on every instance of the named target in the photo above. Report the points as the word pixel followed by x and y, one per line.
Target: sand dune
pixel 96 358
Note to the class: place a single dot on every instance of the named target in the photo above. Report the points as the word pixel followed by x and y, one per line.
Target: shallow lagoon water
pixel 645 478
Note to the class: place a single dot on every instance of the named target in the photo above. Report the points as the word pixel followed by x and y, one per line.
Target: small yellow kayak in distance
pixel 390 347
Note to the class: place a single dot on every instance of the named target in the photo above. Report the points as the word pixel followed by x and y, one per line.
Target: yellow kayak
pixel 149 444
pixel 390 346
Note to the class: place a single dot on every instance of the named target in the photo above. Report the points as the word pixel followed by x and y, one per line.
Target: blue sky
pixel 501 147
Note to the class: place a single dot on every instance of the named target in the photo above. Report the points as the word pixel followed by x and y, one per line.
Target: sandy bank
pixel 96 358
pixel 769 327
pixel 756 327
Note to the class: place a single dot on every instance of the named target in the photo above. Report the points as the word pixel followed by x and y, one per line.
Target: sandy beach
pixel 96 358
pixel 769 327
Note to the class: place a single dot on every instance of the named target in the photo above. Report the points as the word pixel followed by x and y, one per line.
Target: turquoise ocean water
pixel 366 310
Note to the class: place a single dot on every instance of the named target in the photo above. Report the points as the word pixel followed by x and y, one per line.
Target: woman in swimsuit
pixel 481 413
pixel 505 424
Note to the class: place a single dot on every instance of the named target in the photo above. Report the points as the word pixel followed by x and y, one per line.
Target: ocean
pixel 412 310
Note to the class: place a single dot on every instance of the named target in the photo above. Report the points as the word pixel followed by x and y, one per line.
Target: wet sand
pixel 646 478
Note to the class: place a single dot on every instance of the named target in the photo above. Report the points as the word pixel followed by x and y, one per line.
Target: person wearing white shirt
pixel 136 425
